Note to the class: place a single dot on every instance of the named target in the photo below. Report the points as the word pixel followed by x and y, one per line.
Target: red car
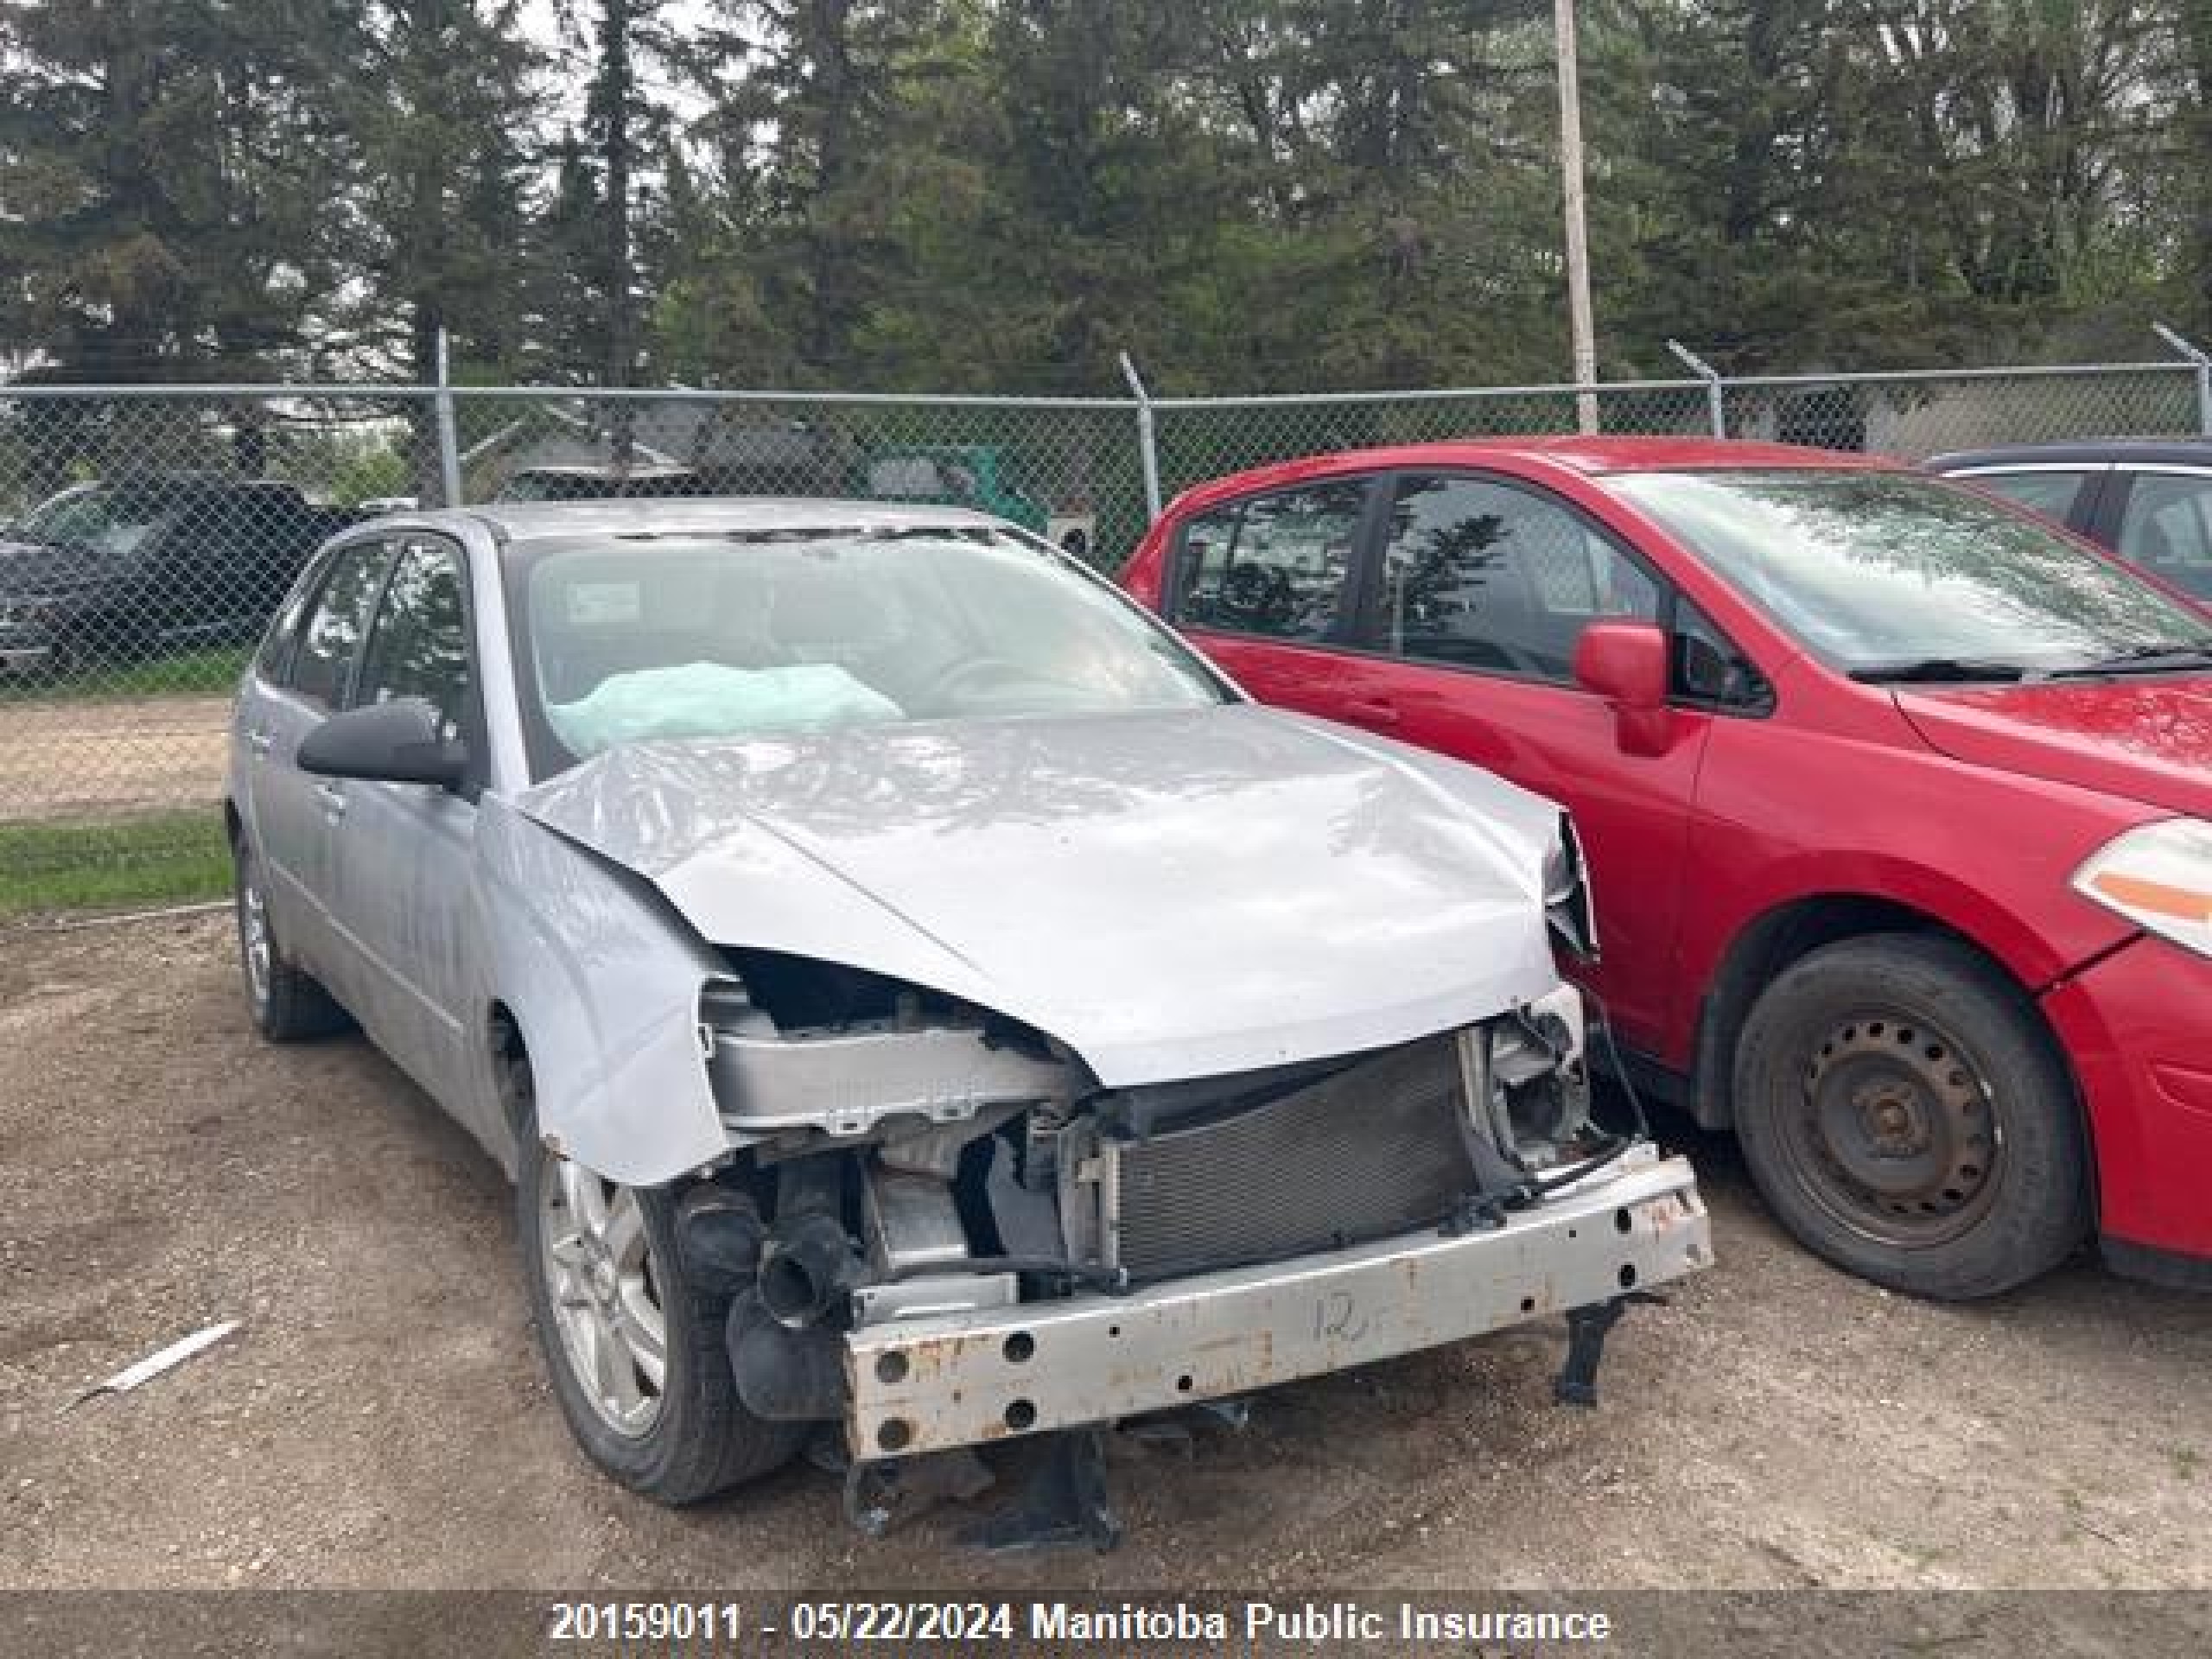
pixel 1896 801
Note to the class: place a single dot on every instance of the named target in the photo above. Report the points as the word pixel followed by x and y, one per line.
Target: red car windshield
pixel 1888 574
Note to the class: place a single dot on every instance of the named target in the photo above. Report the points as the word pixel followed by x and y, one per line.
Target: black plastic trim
pixel 2154 1266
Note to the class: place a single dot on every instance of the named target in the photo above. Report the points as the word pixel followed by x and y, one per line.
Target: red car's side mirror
pixel 1626 663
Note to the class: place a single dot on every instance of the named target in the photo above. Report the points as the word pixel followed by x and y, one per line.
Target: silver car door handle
pixel 258 741
pixel 334 799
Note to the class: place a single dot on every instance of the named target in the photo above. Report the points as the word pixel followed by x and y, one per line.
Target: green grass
pixel 192 673
pixel 168 858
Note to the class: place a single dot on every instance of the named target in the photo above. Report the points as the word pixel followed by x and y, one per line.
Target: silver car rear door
pixel 294 817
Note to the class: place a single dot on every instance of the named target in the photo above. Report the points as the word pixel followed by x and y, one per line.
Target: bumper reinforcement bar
pixel 932 1383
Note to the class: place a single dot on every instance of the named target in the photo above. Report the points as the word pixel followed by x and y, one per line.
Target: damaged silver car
pixel 913 992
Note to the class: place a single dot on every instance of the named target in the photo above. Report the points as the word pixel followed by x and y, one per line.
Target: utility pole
pixel 1582 329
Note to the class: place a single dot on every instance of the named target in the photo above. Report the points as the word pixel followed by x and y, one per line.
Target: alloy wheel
pixel 254 947
pixel 606 1289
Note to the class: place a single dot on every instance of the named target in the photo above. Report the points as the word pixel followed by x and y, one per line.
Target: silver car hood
pixel 1172 895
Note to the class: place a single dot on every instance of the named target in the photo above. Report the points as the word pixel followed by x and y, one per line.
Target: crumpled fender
pixel 603 977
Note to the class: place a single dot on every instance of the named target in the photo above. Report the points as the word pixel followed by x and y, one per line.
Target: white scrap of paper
pixel 153 1364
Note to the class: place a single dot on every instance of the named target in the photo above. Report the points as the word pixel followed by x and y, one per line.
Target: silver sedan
pixel 912 991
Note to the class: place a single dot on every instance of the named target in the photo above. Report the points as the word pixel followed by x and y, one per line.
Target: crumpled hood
pixel 2144 738
pixel 1172 894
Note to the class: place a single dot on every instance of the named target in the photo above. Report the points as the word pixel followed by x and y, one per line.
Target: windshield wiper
pixel 2143 659
pixel 1963 670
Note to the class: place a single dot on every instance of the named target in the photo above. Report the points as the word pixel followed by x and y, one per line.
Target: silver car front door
pixel 403 849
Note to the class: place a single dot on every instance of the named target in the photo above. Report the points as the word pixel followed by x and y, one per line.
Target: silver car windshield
pixel 624 640
pixel 1888 574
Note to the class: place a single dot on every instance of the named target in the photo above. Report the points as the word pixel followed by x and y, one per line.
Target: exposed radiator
pixel 1374 1150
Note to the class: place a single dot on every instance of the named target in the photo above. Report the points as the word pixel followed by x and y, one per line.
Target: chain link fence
pixel 146 533
pixel 1918 415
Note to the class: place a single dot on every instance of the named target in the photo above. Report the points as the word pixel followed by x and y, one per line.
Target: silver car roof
pixel 516 522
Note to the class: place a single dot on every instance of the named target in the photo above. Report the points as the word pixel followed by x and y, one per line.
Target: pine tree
pixel 439 116
pixel 166 177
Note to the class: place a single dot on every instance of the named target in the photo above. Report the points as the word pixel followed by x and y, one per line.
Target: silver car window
pixel 322 665
pixel 2051 493
pixel 419 646
pixel 2168 529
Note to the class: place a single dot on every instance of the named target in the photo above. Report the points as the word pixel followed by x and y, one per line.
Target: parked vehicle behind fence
pixel 159 562
pixel 1897 801
pixel 975 475
pixel 2150 500
pixel 911 989
pixel 601 481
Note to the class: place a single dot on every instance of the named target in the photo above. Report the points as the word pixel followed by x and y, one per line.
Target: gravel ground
pixel 382 1420
pixel 102 758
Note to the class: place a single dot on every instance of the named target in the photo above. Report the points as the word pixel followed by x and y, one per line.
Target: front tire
pixel 1906 1115
pixel 636 1353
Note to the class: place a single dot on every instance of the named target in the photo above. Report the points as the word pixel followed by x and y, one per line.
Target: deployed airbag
pixel 713 700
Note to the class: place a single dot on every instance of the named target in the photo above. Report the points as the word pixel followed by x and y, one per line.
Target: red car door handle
pixel 1370 712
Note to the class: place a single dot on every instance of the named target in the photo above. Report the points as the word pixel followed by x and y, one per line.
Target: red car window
pixel 1274 565
pixel 1481 575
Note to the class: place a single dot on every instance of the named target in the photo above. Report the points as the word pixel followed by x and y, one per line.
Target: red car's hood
pixel 2149 739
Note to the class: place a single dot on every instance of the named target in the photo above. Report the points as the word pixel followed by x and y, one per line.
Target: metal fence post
pixel 448 437
pixel 2203 374
pixel 1146 443
pixel 1716 405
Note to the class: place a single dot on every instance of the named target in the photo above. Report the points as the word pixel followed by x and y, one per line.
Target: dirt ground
pixel 102 758
pixel 382 1420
